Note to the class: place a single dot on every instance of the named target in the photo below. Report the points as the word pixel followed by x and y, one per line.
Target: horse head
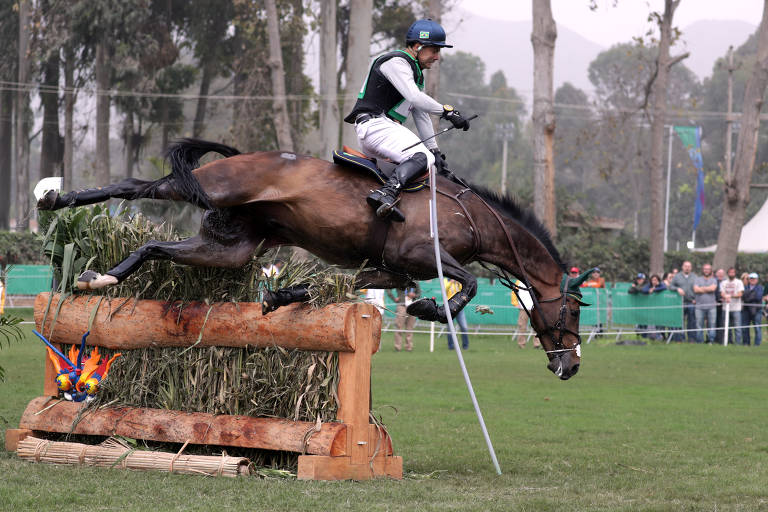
pixel 556 322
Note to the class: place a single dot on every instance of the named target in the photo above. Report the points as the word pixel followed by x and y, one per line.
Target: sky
pixel 608 24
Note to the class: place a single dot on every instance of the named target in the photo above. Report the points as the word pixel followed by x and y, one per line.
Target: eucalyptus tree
pixel 9 23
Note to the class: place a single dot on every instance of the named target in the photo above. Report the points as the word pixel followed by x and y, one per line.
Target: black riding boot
pixel 384 199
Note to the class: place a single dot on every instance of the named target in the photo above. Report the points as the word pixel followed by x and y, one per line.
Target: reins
pixel 559 325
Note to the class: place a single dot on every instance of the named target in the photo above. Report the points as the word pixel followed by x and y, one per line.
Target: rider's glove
pixel 456 119
pixel 439 160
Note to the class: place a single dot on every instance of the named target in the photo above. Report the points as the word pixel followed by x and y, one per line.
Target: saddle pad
pixel 369 166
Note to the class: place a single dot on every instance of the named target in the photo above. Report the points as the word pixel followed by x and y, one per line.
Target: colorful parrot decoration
pixel 78 381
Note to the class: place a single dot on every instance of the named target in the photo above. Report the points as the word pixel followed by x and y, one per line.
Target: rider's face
pixel 428 55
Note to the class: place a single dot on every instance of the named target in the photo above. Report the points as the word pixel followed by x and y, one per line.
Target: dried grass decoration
pixel 114 453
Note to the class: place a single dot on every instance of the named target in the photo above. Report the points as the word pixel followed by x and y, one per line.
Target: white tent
pixel 753 234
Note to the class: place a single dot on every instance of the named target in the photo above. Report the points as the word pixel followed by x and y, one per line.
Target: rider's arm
pixel 400 75
pixel 425 128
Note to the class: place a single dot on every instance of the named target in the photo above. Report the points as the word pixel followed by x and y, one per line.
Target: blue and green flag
pixel 691 138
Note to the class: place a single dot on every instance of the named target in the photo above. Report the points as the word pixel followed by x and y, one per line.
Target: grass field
pixel 657 427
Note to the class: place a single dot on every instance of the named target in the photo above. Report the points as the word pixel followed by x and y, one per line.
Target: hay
pixel 114 453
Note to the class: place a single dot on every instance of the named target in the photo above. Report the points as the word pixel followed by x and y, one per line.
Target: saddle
pixel 381 170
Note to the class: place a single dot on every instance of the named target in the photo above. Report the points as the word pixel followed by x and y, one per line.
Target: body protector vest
pixel 379 97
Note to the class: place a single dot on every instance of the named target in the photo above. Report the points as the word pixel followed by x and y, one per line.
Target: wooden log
pixel 318 467
pixel 179 427
pixel 125 324
pixel 13 436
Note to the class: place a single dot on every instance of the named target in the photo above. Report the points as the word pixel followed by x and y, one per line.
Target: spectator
pixel 404 321
pixel 452 288
pixel 751 309
pixel 595 280
pixel 732 289
pixel 705 287
pixel 720 276
pixel 654 285
pixel 745 280
pixel 273 269
pixel 682 283
pixel 637 287
pixel 667 278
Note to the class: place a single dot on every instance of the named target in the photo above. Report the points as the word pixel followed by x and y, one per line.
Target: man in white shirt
pixel 732 289
pixel 392 90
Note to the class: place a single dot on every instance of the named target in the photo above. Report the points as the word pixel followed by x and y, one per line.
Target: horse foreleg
pixel 196 251
pixel 427 308
pixel 130 189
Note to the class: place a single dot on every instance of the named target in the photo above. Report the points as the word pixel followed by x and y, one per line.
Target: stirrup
pixel 391 212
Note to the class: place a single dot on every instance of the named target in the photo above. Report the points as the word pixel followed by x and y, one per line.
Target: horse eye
pixel 575 314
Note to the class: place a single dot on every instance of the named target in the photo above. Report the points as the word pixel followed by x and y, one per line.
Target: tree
pixel 23 119
pixel 277 73
pixel 9 23
pixel 328 104
pixel 737 188
pixel 543 39
pixel 51 145
pixel 658 84
pixel 358 56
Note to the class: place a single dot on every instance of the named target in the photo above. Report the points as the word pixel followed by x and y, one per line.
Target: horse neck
pixel 536 263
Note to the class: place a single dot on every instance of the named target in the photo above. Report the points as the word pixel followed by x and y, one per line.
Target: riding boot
pixel 384 199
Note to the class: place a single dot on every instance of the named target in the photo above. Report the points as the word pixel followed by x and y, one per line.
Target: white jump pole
pixel 727 319
pixel 451 330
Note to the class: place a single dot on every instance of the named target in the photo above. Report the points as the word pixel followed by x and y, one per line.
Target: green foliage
pixel 9 331
pixel 619 257
pixel 20 248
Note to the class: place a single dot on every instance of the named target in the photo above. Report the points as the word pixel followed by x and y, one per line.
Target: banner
pixel 691 138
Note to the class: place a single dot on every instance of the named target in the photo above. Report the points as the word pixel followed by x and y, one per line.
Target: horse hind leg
pixel 196 251
pixel 130 189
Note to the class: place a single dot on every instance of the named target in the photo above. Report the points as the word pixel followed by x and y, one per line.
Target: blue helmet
pixel 427 32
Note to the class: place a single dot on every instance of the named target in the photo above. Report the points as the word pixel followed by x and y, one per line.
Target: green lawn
pixel 657 427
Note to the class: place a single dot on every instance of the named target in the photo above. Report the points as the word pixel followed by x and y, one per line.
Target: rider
pixel 393 89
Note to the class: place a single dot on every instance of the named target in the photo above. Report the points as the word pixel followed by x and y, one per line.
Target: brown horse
pixel 269 199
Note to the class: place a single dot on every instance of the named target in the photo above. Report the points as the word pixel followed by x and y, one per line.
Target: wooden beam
pixel 13 436
pixel 318 467
pixel 115 325
pixel 179 427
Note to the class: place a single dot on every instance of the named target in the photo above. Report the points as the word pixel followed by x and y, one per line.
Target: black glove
pixel 439 159
pixel 456 119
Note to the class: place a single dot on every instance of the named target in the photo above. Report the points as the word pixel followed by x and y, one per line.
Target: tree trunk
pixel 656 172
pixel 543 39
pixel 50 150
pixel 277 72
pixel 6 134
pixel 101 175
pixel 23 116
pixel 69 115
pixel 198 125
pixel 128 139
pixel 736 197
pixel 329 105
pixel 358 59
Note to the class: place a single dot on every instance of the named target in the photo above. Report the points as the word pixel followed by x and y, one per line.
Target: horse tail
pixel 184 157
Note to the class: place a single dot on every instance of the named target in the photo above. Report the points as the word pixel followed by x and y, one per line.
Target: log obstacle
pixel 351 448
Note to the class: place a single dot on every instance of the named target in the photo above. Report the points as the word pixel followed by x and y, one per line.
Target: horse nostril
pixel 575 369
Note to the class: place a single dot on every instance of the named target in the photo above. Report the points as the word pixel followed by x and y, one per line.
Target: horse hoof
pixel 424 309
pixel 269 302
pixel 90 280
pixel 48 201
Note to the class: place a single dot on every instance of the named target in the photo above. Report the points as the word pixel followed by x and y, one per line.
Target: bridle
pixel 559 325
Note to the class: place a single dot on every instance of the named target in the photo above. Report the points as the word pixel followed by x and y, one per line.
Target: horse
pixel 256 201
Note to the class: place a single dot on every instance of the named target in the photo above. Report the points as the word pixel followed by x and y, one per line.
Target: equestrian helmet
pixel 428 33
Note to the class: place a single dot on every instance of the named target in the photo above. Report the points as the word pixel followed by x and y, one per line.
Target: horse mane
pixel 507 206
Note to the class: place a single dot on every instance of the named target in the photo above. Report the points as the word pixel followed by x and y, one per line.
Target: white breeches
pixel 382 137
